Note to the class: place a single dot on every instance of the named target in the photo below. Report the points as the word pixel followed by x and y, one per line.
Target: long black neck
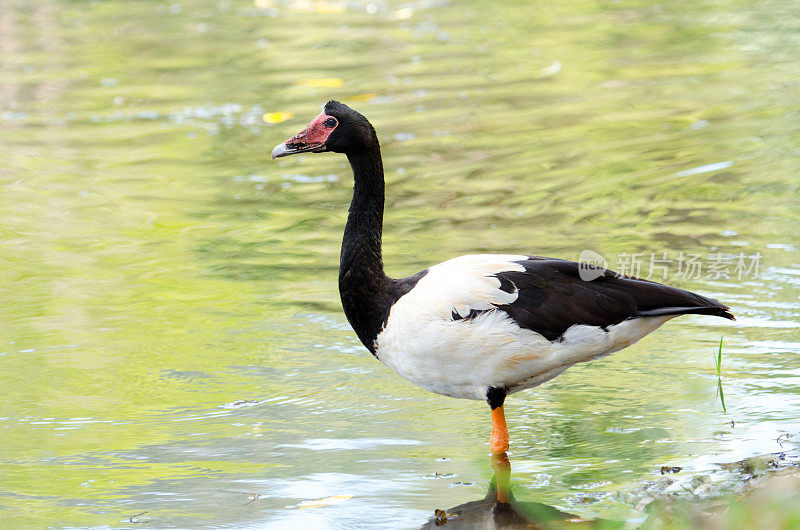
pixel 363 286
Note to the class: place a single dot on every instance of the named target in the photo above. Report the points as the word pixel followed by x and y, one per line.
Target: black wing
pixel 553 297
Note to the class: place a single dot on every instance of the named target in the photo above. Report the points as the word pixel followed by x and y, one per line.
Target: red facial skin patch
pixel 316 133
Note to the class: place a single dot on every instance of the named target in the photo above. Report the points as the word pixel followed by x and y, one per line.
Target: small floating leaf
pixel 277 117
pixel 363 97
pixel 327 501
pixel 322 82
pixel 440 517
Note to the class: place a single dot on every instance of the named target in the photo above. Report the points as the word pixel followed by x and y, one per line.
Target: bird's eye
pixel 330 123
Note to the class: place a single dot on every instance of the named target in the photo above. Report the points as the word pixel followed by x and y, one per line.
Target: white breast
pixel 462 358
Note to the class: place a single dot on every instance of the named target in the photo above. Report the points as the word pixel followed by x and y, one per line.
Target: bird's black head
pixel 338 128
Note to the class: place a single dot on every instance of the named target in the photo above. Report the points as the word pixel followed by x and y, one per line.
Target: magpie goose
pixel 478 326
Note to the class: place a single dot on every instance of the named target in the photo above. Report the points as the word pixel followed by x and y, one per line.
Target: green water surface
pixel 171 339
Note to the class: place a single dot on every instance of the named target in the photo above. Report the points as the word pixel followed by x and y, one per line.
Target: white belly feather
pixel 462 358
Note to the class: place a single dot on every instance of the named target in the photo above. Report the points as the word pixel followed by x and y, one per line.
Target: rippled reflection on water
pixel 172 340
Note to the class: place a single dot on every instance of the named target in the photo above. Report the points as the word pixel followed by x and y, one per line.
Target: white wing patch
pixel 466 283
pixel 461 358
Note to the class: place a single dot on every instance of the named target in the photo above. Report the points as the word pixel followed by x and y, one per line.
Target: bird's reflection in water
pixel 499 509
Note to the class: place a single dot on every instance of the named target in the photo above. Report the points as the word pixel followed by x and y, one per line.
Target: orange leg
pixel 498 443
